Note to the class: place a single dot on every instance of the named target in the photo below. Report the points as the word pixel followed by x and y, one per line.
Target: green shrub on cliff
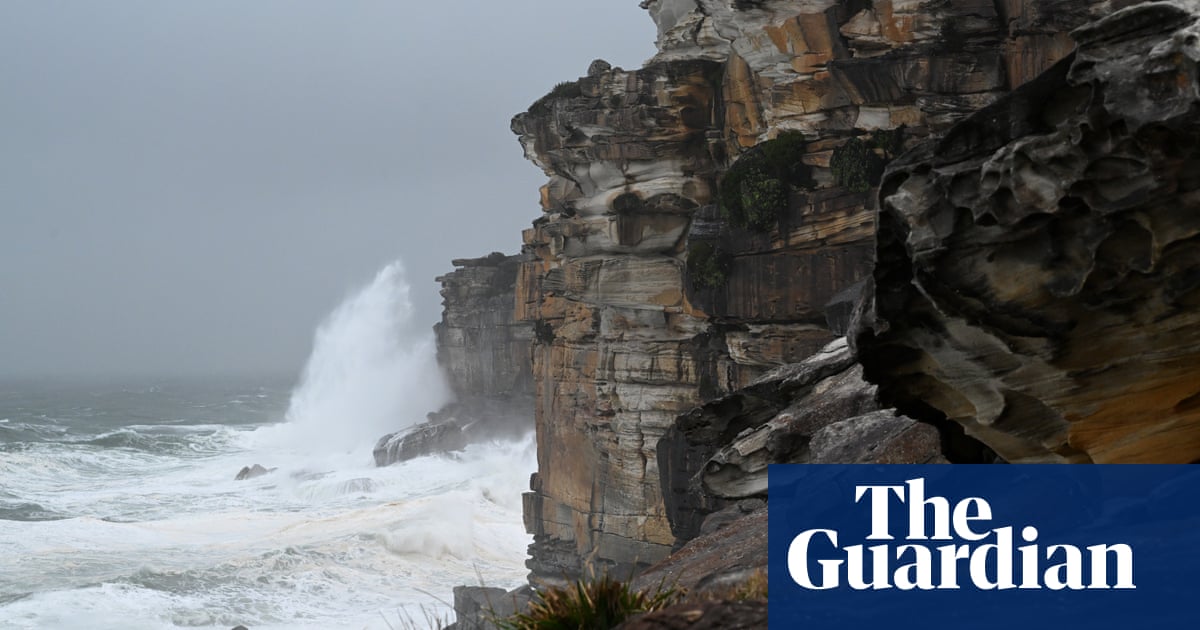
pixel 566 89
pixel 856 164
pixel 755 189
pixel 707 265
pixel 598 603
pixel 890 141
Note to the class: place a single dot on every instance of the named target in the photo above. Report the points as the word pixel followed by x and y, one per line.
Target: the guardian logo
pixel 949 546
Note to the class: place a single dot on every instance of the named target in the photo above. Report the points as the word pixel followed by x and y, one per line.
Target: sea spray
pixel 151 531
pixel 371 371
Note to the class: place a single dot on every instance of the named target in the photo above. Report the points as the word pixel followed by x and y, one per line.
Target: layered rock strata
pixel 819 411
pixel 648 297
pixel 481 345
pixel 1038 276
pixel 618 351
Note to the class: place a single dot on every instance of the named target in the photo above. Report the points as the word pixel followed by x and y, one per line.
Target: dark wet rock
pixel 730 514
pixel 429 438
pixel 714 562
pixel 598 67
pixel 476 607
pixel 816 411
pixel 1038 274
pixel 839 310
pixel 250 472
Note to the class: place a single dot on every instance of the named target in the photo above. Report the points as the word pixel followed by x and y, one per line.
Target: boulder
pixel 250 472
pixel 428 438
pixel 478 607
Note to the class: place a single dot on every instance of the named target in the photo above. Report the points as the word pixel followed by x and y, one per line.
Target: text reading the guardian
pixel 1024 546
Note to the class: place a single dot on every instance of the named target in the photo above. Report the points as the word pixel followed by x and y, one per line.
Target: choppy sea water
pixel 119 508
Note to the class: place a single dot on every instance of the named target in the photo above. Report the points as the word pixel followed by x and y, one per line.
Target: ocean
pixel 119 507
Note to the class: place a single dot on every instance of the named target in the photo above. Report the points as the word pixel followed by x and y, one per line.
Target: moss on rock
pixel 707 265
pixel 755 189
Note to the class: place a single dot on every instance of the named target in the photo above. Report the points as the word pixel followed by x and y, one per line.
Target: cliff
pixel 994 203
pixel 618 351
pixel 484 352
pixel 702 211
pixel 482 347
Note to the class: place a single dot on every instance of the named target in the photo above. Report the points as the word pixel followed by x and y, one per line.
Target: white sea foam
pixel 370 371
pixel 156 538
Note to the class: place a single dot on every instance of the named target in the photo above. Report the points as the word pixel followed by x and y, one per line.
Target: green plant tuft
pixel 890 141
pixel 856 166
pixel 596 604
pixel 565 89
pixel 755 189
pixel 707 265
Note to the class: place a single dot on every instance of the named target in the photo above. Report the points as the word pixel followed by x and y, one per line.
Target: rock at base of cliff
pixel 429 438
pixel 478 607
pixel 454 427
pixel 250 472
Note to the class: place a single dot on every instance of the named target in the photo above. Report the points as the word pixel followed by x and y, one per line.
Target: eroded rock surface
pixel 1038 276
pixel 819 411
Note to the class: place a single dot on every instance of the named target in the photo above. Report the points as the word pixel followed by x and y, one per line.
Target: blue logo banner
pixel 1022 546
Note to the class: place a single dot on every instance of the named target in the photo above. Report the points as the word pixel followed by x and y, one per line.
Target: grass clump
pixel 755 189
pixel 595 604
pixel 754 588
pixel 565 89
pixel 707 265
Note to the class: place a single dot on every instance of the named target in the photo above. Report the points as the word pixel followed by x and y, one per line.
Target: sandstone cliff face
pixel 618 351
pixel 1039 268
pixel 663 274
pixel 482 347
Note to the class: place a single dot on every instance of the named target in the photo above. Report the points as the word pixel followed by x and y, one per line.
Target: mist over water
pixel 119 508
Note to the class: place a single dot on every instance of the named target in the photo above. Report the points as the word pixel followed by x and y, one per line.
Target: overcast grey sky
pixel 190 187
